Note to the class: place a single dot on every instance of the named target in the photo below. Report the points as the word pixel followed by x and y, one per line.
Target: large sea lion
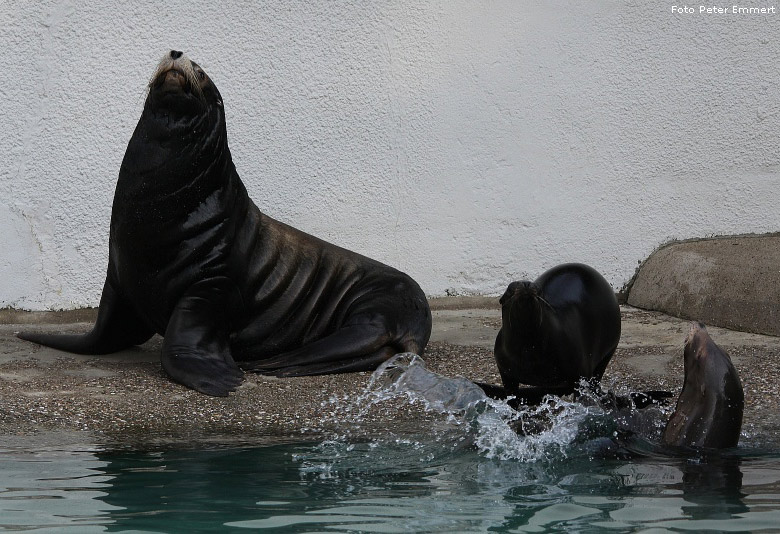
pixel 193 259
pixel 709 410
pixel 556 330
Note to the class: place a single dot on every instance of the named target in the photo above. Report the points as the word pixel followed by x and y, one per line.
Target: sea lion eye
pixel 201 75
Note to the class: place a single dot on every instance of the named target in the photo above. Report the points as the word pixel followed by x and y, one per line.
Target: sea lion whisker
pixel 192 77
pixel 544 301
pixel 539 302
pixel 165 64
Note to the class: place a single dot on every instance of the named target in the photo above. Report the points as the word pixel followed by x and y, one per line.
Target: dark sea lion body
pixel 560 328
pixel 710 406
pixel 193 259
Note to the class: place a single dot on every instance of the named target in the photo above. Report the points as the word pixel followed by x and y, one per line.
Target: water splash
pixel 460 414
pixel 406 374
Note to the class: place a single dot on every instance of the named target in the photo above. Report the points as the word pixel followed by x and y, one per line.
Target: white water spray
pixel 464 414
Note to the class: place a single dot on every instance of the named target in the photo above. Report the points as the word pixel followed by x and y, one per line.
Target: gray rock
pixel 733 282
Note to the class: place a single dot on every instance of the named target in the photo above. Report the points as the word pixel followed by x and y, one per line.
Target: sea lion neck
pixel 161 121
pixel 183 156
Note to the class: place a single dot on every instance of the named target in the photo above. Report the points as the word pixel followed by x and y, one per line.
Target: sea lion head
pixel 695 353
pixel 709 367
pixel 181 87
pixel 709 409
pixel 180 140
pixel 523 310
pixel 521 304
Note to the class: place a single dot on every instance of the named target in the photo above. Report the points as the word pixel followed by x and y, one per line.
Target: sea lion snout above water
pixel 193 259
pixel 710 406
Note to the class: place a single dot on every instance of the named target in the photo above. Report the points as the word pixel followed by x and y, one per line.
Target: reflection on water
pixel 410 487
pixel 53 489
pixel 461 476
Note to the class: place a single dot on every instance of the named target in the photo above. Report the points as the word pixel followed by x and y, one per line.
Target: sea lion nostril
pixel 175 54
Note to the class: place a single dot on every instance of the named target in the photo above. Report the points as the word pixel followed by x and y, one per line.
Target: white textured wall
pixel 468 143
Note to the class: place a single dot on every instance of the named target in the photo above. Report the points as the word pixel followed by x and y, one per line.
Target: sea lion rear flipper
pixel 196 349
pixel 117 327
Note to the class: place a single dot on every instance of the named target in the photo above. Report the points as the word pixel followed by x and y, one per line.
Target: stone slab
pixel 733 282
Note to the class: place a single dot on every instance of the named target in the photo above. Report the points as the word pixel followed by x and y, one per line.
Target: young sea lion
pixel 709 410
pixel 556 330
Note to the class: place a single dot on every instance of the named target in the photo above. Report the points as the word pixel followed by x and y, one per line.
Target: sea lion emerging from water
pixel 556 330
pixel 709 409
pixel 193 259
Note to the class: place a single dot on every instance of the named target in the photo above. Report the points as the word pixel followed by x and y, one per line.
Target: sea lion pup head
pixel 709 409
pixel 180 86
pixel 523 310
pixel 521 304
pixel 702 358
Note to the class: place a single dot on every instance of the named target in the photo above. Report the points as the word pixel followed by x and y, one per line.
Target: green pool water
pixel 473 471
pixel 369 487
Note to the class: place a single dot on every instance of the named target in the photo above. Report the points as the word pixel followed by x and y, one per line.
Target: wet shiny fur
pixel 709 410
pixel 560 328
pixel 193 259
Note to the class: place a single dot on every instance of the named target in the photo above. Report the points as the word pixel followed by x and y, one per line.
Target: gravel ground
pixel 125 398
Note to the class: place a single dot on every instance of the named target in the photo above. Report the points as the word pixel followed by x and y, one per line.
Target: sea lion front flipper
pixel 117 327
pixel 196 349
pixel 522 396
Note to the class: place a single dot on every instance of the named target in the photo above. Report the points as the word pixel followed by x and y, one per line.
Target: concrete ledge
pixel 125 399
pixel 464 303
pixel 733 282
pixel 81 315
pixel 88 315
